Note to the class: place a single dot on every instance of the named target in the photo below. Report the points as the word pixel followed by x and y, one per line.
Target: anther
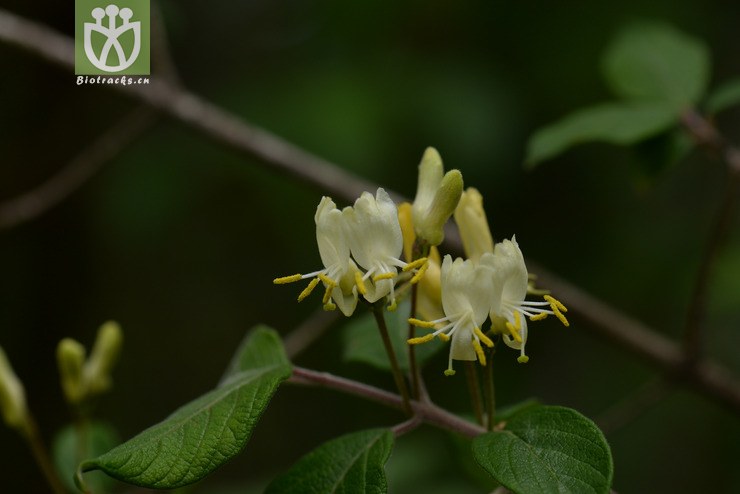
pixel 414 264
pixel 485 339
pixel 538 317
pixel 360 283
pixel 327 294
pixel 479 352
pixel 444 337
pixel 307 291
pixel 514 331
pixel 420 323
pixel 420 339
pixel 287 279
pixel 555 303
pixel 384 276
pixel 329 306
pixel 420 273
pixel 327 281
pixel 522 359
pixel 449 372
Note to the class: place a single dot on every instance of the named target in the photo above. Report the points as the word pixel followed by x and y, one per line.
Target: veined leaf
pixel 207 432
pixel 547 449
pixel 73 444
pixel 656 62
pixel 350 464
pixel 616 123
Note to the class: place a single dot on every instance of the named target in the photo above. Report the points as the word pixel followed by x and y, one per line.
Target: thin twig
pixel 41 455
pixel 395 368
pixel 625 411
pixel 36 202
pixel 476 402
pixel 710 379
pixel 428 412
pixel 707 136
pixel 309 331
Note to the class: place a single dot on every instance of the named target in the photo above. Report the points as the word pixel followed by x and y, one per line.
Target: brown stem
pixel 395 368
pixel 41 455
pixel 425 411
pixel 471 376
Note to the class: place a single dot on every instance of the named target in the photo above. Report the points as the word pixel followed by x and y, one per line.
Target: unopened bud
pixel 103 357
pixel 71 359
pixel 473 225
pixel 437 196
pixel 12 396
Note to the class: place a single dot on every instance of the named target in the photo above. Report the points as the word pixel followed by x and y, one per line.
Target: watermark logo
pixel 112 38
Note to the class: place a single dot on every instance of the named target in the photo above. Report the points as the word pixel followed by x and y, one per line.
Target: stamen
pixel 562 318
pixel 328 281
pixel 514 331
pixel 421 324
pixel 420 339
pixel 444 337
pixel 517 320
pixel 539 317
pixel 327 294
pixel 393 306
pixel 485 339
pixel 329 306
pixel 287 279
pixel 307 291
pixel 414 264
pixel 360 283
pixel 479 352
pixel 523 359
pixel 420 273
pixel 555 303
pixel 384 276
pixel 449 372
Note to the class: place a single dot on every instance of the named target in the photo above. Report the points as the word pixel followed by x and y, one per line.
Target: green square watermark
pixel 112 37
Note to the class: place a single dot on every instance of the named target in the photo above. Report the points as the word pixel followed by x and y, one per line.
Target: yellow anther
pixel 517 320
pixel 307 291
pixel 384 276
pixel 555 303
pixel 479 352
pixel 513 331
pixel 420 273
pixel 327 294
pixel 393 306
pixel 329 306
pixel 485 339
pixel 327 281
pixel 444 337
pixel 287 279
pixel 420 323
pixel 538 317
pixel 360 283
pixel 449 372
pixel 415 264
pixel 523 359
pixel 562 318
pixel 420 339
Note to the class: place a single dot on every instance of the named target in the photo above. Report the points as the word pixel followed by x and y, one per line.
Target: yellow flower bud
pixel 12 396
pixel 71 359
pixel 437 196
pixel 473 225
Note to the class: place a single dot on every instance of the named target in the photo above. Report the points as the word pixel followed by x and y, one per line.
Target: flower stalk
pixel 395 368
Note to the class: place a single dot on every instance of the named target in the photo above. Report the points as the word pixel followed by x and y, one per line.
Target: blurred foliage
pixel 179 239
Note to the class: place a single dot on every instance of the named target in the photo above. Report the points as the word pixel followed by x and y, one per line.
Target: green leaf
pixel 363 343
pixel 350 464
pixel 204 434
pixel 547 449
pixel 73 444
pixel 725 96
pixel 616 123
pixel 656 62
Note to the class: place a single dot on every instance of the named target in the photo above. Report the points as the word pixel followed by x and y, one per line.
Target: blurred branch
pixel 706 135
pixel 57 188
pixel 625 411
pixel 283 157
pixel 425 411
pixel 309 331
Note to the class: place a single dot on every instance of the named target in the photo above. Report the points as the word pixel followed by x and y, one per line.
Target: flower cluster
pixel 361 246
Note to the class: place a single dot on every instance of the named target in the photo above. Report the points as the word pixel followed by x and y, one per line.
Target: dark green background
pixel 178 238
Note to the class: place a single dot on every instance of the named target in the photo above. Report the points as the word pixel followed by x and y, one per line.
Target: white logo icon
pixel 112 33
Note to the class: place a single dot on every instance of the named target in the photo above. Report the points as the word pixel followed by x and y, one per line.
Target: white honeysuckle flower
pixel 376 243
pixel 340 272
pixel 508 304
pixel 466 289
